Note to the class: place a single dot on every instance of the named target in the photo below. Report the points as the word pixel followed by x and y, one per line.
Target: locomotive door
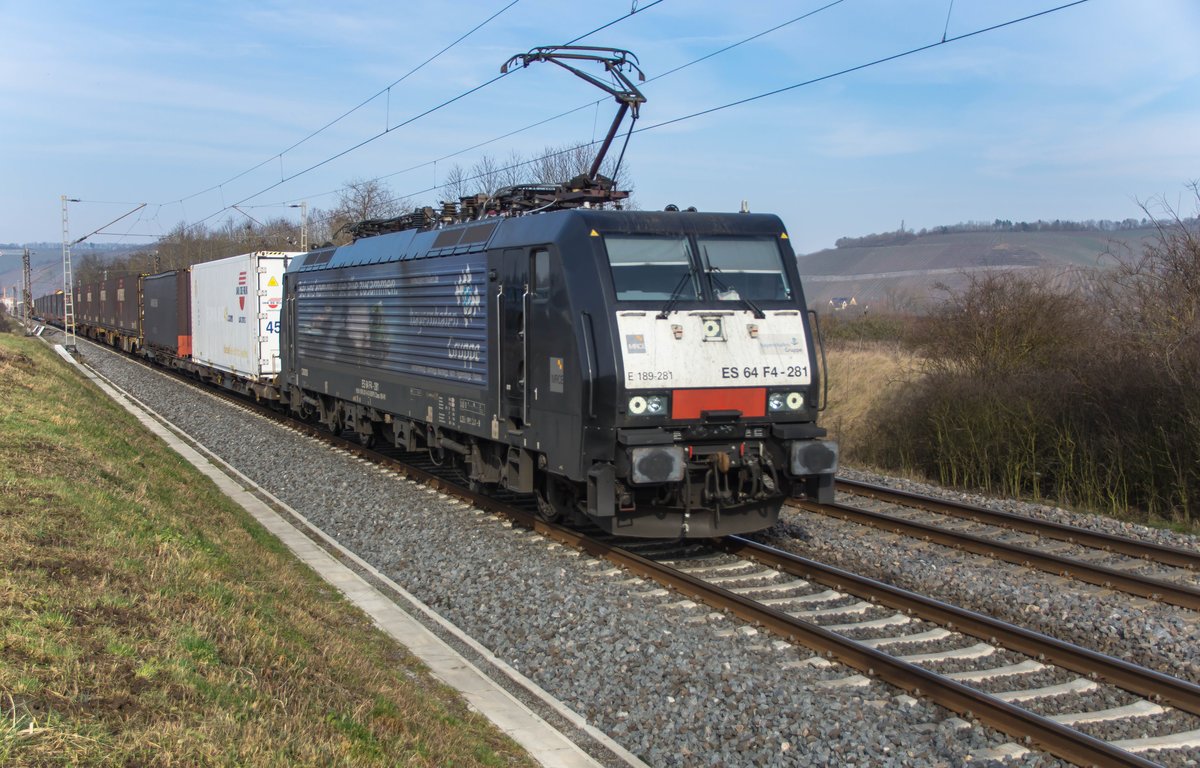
pixel 512 299
pixel 288 339
pixel 524 325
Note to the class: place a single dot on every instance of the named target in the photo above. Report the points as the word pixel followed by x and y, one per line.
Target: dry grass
pixel 146 620
pixel 860 374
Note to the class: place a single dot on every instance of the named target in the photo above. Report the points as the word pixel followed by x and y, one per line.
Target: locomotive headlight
pixel 785 401
pixel 648 405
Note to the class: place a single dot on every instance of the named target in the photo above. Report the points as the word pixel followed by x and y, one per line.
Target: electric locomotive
pixel 652 373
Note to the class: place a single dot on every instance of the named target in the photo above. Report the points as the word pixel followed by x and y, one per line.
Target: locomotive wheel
pixel 546 510
pixel 554 499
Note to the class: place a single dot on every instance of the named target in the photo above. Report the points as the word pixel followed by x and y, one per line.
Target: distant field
pixel 901 277
pixel 145 619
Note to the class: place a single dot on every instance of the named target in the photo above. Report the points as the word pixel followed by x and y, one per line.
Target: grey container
pixel 167 323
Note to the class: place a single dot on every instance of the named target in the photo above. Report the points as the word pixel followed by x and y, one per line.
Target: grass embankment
pixel 147 620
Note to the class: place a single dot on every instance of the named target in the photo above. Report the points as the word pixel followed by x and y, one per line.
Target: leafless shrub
pixel 1086 396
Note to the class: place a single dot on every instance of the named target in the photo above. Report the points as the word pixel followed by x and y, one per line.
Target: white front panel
pixel 715 349
pixel 236 305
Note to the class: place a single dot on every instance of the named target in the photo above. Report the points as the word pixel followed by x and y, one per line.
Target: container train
pixel 651 373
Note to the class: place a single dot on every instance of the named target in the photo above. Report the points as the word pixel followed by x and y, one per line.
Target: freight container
pixel 50 308
pixel 167 313
pixel 235 313
pixel 109 311
pixel 86 298
pixel 118 305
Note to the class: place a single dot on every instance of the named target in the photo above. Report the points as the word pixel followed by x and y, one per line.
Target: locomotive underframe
pixel 650 490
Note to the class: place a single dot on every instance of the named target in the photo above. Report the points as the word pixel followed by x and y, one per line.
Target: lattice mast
pixel 69 340
pixel 27 276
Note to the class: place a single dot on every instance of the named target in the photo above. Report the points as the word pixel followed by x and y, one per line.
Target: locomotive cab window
pixel 540 279
pixel 744 268
pixel 651 267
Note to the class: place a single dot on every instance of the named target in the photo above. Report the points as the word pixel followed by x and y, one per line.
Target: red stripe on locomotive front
pixel 690 403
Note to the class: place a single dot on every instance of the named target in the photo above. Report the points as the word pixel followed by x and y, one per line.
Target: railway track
pixel 1139 568
pixel 856 621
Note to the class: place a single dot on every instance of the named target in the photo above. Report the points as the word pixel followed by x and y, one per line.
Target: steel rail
pixel 1182 694
pixel 1143 586
pixel 1062 741
pixel 1158 553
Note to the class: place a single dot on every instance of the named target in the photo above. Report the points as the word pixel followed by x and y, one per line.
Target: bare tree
pixel 456 185
pixel 515 170
pixel 558 165
pixel 561 164
pixel 486 175
pixel 367 199
pixel 1155 295
pixel 364 199
pixel 320 231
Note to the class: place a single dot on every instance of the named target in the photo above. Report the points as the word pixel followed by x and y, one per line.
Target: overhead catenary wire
pixel 359 106
pixel 794 86
pixel 946 28
pixel 778 91
pixel 707 111
pixel 595 103
pixel 387 130
pixel 875 62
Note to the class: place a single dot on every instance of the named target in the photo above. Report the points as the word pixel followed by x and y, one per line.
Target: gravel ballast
pixel 664 680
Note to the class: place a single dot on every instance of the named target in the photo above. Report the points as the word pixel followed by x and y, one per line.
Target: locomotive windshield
pixel 744 268
pixel 663 268
pixel 651 267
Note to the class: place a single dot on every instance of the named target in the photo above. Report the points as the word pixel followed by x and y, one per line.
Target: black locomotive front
pixel 716 393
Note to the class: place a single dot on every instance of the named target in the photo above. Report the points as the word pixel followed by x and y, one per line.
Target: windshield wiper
pixel 712 276
pixel 676 295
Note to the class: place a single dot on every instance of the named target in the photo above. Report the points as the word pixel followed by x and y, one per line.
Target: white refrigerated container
pixel 236 304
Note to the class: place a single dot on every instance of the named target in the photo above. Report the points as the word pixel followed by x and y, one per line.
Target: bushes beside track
pixel 1089 398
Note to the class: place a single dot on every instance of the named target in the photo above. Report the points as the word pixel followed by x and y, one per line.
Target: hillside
pixel 45 263
pixel 903 276
pixel 884 276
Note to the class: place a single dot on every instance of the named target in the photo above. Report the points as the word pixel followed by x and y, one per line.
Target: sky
pixel 193 107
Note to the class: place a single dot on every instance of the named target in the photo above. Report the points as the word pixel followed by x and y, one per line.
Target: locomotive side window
pixel 651 267
pixel 540 279
pixel 749 268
